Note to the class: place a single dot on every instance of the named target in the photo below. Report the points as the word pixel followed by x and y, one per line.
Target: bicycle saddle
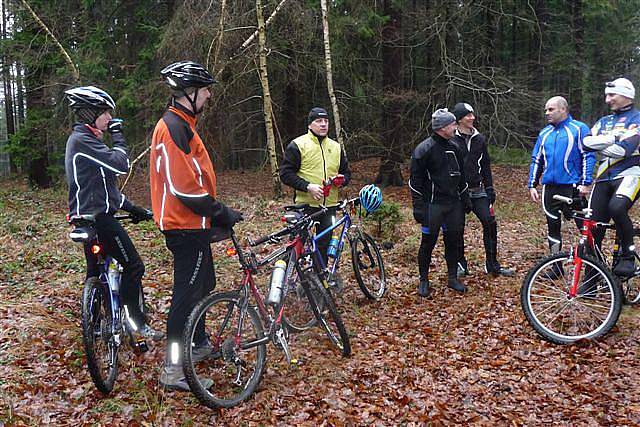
pixel 297 208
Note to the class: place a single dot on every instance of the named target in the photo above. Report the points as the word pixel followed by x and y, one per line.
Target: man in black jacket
pixel 477 170
pixel 440 198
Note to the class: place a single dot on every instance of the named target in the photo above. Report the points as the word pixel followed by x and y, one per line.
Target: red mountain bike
pixel 574 295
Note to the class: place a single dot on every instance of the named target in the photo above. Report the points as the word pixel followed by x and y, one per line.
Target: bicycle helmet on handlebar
pixel 370 198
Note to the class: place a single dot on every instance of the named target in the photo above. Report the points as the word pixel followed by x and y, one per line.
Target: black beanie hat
pixel 461 109
pixel 317 113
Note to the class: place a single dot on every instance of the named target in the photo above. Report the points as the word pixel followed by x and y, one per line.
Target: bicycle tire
pixel 222 365
pixel 630 290
pixel 365 263
pixel 100 347
pixel 328 317
pixel 298 315
pixel 589 315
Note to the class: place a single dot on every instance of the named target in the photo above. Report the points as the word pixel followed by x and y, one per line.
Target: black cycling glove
pixel 115 126
pixel 139 214
pixel 491 194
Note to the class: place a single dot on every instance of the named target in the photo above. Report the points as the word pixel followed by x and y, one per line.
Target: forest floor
pixel 448 360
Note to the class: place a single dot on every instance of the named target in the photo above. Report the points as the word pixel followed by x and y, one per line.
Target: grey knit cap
pixel 441 118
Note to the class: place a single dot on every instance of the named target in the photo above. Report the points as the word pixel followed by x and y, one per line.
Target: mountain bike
pixel 241 323
pixel 366 258
pixel 575 295
pixel 104 321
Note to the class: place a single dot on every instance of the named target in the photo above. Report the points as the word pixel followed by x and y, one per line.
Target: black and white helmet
pixel 185 74
pixel 90 97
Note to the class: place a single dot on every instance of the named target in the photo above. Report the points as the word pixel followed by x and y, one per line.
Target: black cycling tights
pixel 116 242
pixel 451 218
pixel 606 205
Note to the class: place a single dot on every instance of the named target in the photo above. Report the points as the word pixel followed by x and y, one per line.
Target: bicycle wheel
pixel 99 343
pixel 368 266
pixel 560 318
pixel 327 314
pixel 235 367
pixel 298 313
pixel 631 290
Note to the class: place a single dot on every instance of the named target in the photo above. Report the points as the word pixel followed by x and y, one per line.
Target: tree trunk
pixel 7 79
pixel 392 62
pixel 577 73
pixel 266 101
pixel 327 63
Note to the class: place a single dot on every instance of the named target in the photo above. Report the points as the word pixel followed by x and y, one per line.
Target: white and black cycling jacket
pixel 92 168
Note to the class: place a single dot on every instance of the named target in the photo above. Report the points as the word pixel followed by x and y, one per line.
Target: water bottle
pixel 113 276
pixel 277 280
pixel 332 250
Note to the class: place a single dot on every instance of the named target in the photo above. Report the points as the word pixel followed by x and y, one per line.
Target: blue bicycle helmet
pixel 370 198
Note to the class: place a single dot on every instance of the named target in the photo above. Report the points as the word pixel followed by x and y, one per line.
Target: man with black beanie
pixel 477 169
pixel 440 198
pixel 308 161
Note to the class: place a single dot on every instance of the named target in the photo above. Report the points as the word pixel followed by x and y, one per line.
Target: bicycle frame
pixel 110 284
pixel 248 286
pixel 346 222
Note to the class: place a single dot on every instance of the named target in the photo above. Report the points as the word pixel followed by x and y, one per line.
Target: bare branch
pixel 74 69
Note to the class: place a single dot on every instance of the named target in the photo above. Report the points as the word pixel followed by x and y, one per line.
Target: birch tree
pixel 266 102
pixel 327 62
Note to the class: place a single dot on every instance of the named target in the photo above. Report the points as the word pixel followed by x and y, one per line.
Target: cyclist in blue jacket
pixel 560 162
pixel 616 137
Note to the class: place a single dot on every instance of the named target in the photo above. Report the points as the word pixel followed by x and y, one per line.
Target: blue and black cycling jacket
pixel 620 124
pixel 559 155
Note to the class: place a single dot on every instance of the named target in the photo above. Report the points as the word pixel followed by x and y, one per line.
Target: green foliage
pixel 386 218
pixel 509 156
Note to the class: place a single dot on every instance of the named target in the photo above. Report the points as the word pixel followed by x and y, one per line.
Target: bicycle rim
pixel 99 343
pixel 560 318
pixel 234 369
pixel 368 266
pixel 328 317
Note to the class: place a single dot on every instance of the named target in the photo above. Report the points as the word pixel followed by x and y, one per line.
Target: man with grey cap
pixel 308 161
pixel 616 137
pixel 440 197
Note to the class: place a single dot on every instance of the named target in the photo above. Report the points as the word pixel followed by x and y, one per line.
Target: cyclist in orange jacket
pixel 183 195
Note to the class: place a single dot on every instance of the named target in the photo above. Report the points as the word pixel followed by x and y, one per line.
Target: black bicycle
pixel 104 325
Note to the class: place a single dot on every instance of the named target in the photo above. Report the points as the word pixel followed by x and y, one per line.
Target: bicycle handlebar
pixel 304 221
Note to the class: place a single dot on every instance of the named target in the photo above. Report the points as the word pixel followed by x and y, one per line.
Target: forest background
pixel 393 63
pixel 450 360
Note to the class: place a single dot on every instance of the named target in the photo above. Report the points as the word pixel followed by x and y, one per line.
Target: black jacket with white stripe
pixel 477 164
pixel 92 168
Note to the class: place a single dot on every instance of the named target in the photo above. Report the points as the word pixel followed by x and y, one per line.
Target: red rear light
pixel 68 217
pixel 96 249
pixel 283 218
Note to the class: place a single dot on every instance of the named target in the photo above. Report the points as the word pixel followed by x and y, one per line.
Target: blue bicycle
pixel 103 319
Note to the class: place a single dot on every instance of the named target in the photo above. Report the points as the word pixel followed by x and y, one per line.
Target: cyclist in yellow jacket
pixel 309 160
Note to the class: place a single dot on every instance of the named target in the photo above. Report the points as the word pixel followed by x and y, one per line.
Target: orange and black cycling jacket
pixel 183 182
